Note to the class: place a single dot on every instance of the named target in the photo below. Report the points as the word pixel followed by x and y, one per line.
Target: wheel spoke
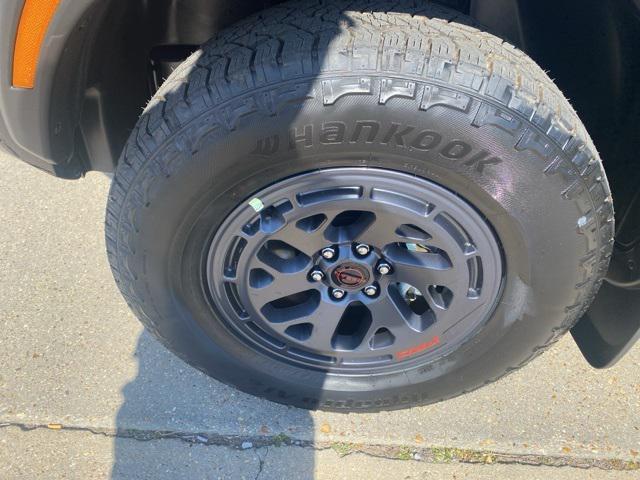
pixel 423 272
pixel 385 313
pixel 283 285
pixel 325 320
pixel 392 316
pixel 308 243
pixel 381 232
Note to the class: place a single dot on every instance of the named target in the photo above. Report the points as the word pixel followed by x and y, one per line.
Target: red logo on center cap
pixel 350 275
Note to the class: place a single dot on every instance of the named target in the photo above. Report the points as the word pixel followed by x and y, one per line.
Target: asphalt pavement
pixel 86 393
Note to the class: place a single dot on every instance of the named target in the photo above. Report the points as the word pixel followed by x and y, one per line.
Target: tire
pixel 306 88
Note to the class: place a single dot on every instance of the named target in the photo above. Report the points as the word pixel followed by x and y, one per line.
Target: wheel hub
pixel 350 276
pixel 355 269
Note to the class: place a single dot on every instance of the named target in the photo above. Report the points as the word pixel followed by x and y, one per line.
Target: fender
pixel 28 126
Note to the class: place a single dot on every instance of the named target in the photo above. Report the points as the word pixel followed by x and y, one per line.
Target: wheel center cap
pixel 350 275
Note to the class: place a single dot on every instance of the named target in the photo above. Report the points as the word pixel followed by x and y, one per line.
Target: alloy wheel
pixel 355 269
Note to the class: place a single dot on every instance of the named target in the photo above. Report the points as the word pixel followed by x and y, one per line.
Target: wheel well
pixel 586 46
pixel 104 81
pixel 589 49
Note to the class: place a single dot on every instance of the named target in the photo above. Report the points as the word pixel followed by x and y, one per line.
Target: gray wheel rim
pixel 298 270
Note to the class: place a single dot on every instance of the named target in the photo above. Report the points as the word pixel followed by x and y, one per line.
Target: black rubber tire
pixel 219 129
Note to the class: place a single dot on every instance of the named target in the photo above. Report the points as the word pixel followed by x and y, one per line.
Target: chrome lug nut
pixel 316 275
pixel 384 268
pixel 370 291
pixel 328 253
pixel 338 293
pixel 363 249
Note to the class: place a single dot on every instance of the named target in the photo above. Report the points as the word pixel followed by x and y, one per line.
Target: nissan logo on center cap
pixel 350 275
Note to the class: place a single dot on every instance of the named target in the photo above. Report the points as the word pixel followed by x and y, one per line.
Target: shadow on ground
pixel 178 423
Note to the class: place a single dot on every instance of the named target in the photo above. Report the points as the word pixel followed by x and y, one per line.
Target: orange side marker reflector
pixel 34 21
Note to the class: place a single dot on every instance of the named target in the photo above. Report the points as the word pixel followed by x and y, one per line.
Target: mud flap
pixel 610 327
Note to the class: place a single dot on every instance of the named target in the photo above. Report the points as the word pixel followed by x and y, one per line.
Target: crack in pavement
pixel 434 454
pixel 262 460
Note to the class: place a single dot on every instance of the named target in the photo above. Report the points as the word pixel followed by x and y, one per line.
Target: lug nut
pixel 370 291
pixel 338 293
pixel 328 253
pixel 384 268
pixel 363 249
pixel 316 275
